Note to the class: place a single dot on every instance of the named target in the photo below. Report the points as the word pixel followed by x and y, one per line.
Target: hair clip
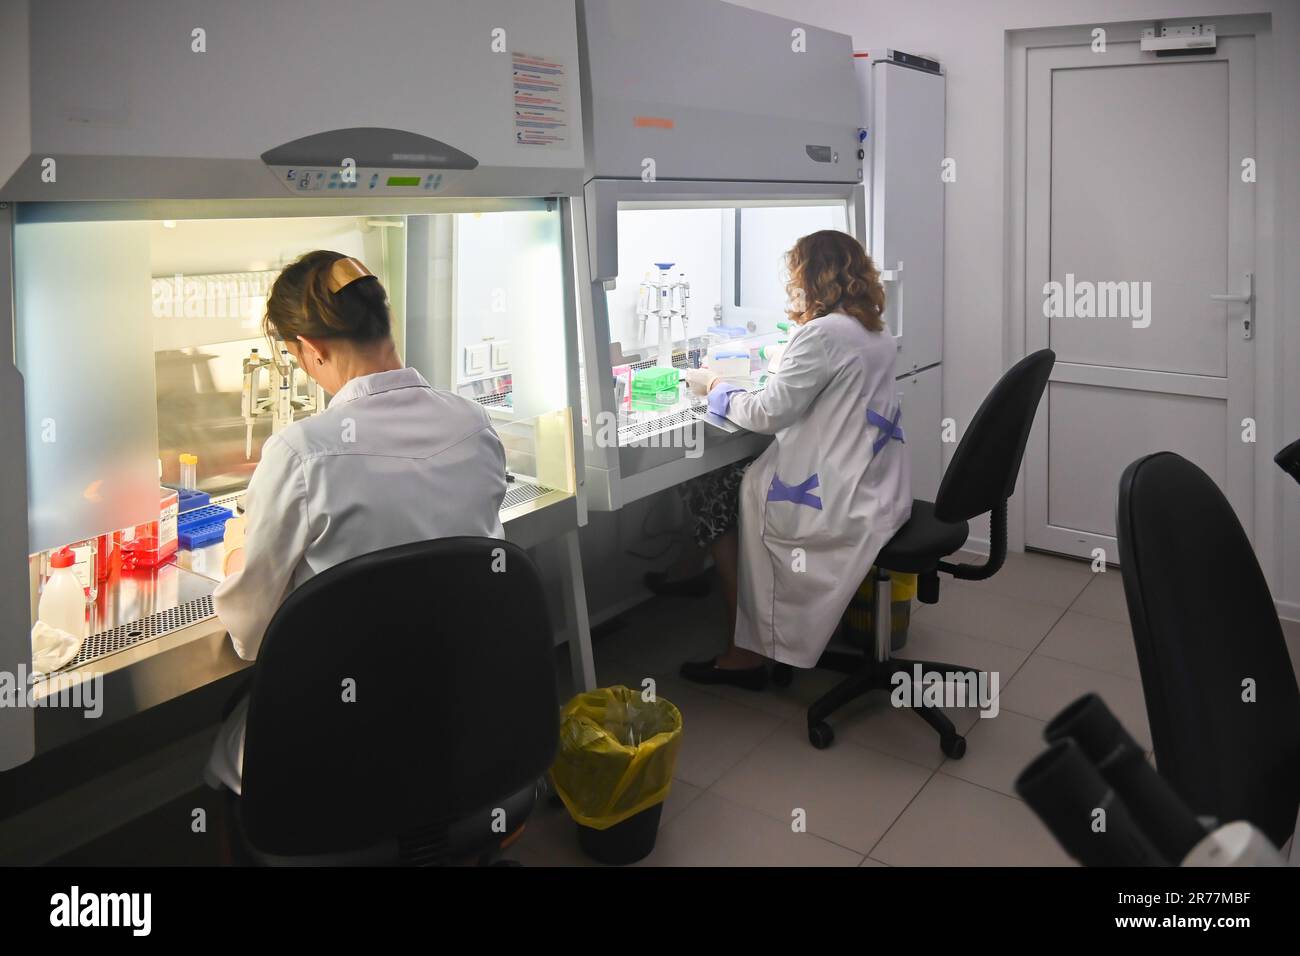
pixel 346 271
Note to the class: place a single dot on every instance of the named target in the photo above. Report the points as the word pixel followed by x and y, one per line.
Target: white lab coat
pixel 389 462
pixel 819 503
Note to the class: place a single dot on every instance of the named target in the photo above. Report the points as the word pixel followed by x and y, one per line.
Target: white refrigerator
pixel 904 172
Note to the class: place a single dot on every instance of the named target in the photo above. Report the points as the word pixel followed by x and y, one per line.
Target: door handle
pixel 895 276
pixel 1242 298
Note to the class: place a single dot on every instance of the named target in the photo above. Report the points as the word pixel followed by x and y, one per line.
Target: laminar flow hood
pixel 704 90
pixel 154 99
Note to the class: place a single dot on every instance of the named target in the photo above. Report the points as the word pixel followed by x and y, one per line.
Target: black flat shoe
pixel 707 672
pixel 697 585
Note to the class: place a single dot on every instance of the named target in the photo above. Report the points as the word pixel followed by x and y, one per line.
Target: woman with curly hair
pixel 796 536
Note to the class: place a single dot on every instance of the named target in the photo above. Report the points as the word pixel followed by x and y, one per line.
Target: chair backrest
pixel 1204 624
pixel 396 693
pixel 982 473
pixel 1288 459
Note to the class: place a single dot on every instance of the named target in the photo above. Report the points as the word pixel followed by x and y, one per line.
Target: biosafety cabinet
pixel 709 152
pixel 161 163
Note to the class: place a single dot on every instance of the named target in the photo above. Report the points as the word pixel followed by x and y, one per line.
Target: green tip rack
pixel 654 388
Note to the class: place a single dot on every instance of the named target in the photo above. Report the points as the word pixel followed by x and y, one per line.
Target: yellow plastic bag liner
pixel 902 587
pixel 859 618
pixel 616 755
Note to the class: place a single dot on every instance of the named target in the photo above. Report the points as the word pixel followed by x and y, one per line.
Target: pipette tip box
pixel 654 387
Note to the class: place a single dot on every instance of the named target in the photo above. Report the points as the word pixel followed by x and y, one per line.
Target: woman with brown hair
pixel 813 511
pixel 390 461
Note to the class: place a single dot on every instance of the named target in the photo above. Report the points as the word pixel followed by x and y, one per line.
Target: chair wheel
pixel 782 675
pixel 954 746
pixel 820 735
pixel 545 793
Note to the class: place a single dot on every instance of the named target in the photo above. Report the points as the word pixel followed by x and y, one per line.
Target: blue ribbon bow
pixel 888 429
pixel 800 494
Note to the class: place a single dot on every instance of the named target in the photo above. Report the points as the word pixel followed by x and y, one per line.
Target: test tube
pixel 189 472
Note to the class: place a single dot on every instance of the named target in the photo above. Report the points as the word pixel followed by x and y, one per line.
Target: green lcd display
pixel 403 180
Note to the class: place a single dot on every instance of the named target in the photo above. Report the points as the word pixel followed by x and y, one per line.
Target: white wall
pixel 969 38
pixel 691 239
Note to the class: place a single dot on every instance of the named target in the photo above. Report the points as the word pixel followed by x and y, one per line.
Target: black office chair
pixel 1204 623
pixel 402 710
pixel 1288 459
pixel 980 478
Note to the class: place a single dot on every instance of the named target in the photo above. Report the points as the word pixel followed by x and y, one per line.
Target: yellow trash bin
pixel 859 618
pixel 614 769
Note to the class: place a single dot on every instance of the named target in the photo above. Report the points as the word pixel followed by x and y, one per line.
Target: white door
pixel 1135 205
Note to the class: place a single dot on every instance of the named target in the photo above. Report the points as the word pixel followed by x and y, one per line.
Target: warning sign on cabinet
pixel 541 100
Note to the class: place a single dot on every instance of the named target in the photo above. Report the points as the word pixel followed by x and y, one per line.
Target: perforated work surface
pixel 630 434
pixel 146 629
pixel 522 492
pixel 496 400
pixel 174 619
pixel 680 360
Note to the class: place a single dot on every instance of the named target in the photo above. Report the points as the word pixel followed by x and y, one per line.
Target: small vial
pixel 189 472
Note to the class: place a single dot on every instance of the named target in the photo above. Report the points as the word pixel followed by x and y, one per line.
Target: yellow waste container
pixel 614 769
pixel 859 618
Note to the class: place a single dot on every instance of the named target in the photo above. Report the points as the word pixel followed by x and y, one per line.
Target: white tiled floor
pixel 883 794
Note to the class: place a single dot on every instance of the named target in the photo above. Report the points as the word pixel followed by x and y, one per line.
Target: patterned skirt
pixel 713 501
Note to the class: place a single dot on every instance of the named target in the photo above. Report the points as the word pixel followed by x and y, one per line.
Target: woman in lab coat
pixel 389 462
pixel 834 486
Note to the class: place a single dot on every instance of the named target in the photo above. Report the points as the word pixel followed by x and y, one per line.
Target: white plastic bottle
pixel 84 567
pixel 63 602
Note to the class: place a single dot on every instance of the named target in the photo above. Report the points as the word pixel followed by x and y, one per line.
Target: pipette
pixel 283 400
pixel 249 406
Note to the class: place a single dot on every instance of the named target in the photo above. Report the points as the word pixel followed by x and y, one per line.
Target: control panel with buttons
pixel 317 180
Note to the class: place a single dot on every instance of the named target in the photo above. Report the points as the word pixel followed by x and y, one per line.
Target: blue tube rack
pixel 202 526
